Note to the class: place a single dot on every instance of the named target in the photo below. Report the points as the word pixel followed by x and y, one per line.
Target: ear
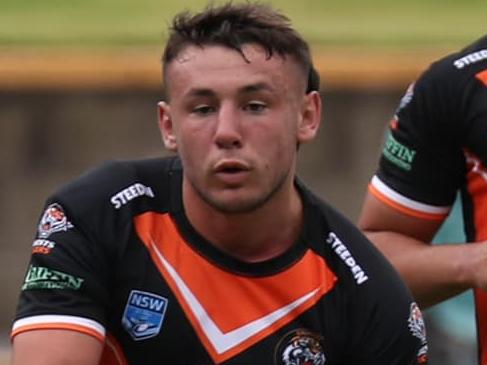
pixel 166 126
pixel 310 117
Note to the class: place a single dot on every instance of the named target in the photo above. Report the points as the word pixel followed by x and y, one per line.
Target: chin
pixel 236 205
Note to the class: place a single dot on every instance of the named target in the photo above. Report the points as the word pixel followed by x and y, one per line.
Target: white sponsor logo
pixel 471 58
pixel 43 243
pixel 342 251
pixel 133 191
pixel 42 246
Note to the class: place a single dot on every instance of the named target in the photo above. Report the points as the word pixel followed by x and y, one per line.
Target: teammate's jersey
pixel 116 258
pixel 437 145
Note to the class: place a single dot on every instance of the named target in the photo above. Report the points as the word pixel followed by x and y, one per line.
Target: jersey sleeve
pixel 389 327
pixel 65 286
pixel 383 325
pixel 475 111
pixel 70 274
pixel 422 163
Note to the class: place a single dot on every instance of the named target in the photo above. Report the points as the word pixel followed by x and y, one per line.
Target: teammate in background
pixel 436 146
pixel 220 255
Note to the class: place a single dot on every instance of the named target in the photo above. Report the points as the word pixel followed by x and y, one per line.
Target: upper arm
pixel 398 236
pixel 66 286
pixel 422 164
pixel 377 216
pixel 382 332
pixel 55 347
pixel 396 335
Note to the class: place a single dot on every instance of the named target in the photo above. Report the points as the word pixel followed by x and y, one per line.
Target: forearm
pixel 433 272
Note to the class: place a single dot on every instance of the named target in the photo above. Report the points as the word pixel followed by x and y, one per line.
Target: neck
pixel 254 236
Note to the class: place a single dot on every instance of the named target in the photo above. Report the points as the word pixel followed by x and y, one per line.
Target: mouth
pixel 231 167
pixel 231 172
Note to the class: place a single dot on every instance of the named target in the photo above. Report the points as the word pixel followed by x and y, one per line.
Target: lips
pixel 231 167
pixel 231 172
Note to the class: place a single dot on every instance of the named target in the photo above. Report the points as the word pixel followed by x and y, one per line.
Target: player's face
pixel 236 123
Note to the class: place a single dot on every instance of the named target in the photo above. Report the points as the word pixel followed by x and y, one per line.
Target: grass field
pixel 381 23
pixel 92 43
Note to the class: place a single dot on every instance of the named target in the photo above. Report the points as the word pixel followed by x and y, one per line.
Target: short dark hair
pixel 233 25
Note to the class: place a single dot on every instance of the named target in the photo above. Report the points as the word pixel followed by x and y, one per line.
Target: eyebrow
pixel 248 89
pixel 260 86
pixel 197 92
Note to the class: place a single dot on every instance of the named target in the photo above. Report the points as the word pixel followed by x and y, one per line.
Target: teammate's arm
pixel 433 272
pixel 55 347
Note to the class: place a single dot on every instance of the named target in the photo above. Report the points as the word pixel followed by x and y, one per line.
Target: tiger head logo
pixel 300 347
pixel 53 220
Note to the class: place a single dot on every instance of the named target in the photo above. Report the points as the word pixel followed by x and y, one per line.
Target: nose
pixel 228 133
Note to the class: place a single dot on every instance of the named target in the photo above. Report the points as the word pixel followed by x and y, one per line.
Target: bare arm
pixel 433 272
pixel 55 347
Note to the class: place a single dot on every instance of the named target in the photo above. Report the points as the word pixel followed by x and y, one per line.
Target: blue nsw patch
pixel 144 314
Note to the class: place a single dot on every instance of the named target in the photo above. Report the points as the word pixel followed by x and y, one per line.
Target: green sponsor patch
pixel 398 154
pixel 39 277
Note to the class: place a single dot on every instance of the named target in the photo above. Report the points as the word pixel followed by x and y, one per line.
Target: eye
pixel 255 107
pixel 203 109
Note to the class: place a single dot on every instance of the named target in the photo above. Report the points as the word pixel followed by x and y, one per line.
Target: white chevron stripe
pixel 225 341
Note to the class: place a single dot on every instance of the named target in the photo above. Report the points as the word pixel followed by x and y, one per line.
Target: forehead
pixel 220 68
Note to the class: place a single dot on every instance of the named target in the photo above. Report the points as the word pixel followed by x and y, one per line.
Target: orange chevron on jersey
pixel 481 312
pixel 477 188
pixel 482 76
pixel 265 303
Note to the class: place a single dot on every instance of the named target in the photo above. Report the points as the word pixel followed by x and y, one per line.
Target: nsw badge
pixel 143 315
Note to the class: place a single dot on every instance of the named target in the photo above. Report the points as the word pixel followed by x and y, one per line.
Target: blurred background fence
pixel 79 83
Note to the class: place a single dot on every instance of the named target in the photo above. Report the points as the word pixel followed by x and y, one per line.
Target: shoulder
pixel 113 177
pixel 472 57
pixel 344 246
pixel 117 190
pixel 458 69
pixel 371 293
pixel 333 221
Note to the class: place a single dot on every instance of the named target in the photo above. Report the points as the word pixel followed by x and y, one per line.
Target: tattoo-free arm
pixel 55 347
pixel 433 272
